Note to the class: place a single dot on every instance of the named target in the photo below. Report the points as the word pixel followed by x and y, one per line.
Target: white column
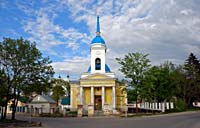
pixel 160 106
pixel 103 97
pixel 113 97
pixel 81 95
pixel 163 106
pixel 167 104
pixel 92 95
pixel 156 105
pixel 71 97
pixel 171 105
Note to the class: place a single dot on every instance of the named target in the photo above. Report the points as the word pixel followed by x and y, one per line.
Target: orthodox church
pixel 97 89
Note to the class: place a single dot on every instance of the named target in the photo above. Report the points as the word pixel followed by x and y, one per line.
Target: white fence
pixel 153 106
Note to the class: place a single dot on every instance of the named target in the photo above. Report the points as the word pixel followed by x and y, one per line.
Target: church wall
pixel 97 91
pixel 120 96
pixel 75 97
pixel 87 97
pixel 98 51
pixel 108 95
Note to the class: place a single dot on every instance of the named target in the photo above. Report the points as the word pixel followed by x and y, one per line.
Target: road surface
pixel 180 120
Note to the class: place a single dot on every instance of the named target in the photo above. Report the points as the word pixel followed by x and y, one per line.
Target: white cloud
pixel 167 30
pixel 72 66
pixel 40 25
pixel 164 29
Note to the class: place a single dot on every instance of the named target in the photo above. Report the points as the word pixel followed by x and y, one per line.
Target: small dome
pixel 98 39
pixel 106 68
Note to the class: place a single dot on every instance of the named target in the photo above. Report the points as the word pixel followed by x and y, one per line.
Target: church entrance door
pixel 97 102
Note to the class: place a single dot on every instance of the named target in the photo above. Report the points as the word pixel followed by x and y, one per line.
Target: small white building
pixel 42 104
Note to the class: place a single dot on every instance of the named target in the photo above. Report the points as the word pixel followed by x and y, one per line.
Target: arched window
pixel 97 64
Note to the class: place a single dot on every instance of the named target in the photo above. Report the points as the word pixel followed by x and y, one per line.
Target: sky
pixel 167 30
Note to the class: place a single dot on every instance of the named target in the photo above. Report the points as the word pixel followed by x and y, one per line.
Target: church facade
pixel 98 89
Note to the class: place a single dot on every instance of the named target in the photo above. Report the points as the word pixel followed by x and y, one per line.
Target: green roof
pixel 23 99
pixel 65 101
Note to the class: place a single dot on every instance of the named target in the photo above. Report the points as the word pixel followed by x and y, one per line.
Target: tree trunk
pixel 136 111
pixel 14 104
pixel 2 113
pixel 13 111
pixel 5 110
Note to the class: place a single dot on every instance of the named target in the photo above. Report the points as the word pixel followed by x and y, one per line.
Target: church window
pixel 97 64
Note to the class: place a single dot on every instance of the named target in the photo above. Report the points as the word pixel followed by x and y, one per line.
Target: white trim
pixel 103 96
pixel 92 95
pixel 113 98
pixel 71 97
pixel 99 85
pixel 81 95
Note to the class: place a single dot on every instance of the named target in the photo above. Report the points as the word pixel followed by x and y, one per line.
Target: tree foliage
pixel 162 83
pixel 134 66
pixel 60 88
pixel 24 67
pixel 192 73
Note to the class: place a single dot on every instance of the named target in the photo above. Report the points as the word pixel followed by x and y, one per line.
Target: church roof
pixel 98 39
pixel 106 68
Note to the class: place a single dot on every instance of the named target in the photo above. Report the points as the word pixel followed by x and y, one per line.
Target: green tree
pixel 192 72
pixel 3 88
pixel 163 82
pixel 134 66
pixel 58 89
pixel 24 68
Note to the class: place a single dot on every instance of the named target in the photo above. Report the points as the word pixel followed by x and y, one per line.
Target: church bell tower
pixel 98 52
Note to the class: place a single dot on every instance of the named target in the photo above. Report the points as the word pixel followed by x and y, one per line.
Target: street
pixel 180 120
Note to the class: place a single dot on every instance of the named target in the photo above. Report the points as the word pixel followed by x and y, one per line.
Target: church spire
pixel 98 26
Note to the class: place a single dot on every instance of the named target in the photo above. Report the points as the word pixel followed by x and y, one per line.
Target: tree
pixel 60 88
pixel 24 68
pixel 58 92
pixel 134 66
pixel 164 82
pixel 192 72
pixel 3 87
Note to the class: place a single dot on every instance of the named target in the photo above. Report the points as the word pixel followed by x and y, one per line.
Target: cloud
pixel 167 30
pixel 43 30
pixel 72 66
pixel 164 29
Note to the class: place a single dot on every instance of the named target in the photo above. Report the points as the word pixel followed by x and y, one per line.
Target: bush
pixel 45 115
pixel 72 114
pixel 56 114
pixel 180 105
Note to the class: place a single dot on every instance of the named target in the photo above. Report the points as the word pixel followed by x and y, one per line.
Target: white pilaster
pixel 103 97
pixel 81 95
pixel 171 105
pixel 71 97
pixel 156 105
pixel 92 95
pixel 113 97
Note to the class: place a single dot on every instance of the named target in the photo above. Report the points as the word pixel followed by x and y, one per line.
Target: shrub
pixel 180 105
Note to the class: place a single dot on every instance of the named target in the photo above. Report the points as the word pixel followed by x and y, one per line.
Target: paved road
pixel 181 120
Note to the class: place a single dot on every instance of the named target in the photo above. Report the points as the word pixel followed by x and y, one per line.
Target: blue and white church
pixel 97 89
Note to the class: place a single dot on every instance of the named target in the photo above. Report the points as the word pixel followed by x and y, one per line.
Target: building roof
pixel 65 101
pixel 74 82
pixel 107 69
pixel 42 99
pixel 98 39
